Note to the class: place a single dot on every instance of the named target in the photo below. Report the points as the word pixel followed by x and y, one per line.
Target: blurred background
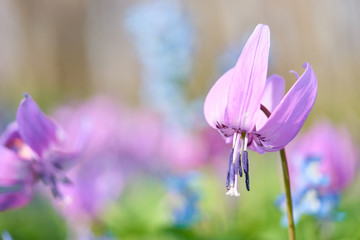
pixel 140 70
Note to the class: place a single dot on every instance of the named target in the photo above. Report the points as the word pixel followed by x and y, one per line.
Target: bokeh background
pixel 153 62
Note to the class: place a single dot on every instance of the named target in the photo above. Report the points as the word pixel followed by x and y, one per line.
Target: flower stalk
pixel 286 176
pixel 288 194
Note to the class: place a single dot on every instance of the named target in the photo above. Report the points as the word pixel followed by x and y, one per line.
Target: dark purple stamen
pixel 43 178
pixel 58 166
pixel 245 163
pixel 54 188
pixel 66 180
pixel 232 175
pixel 228 170
pixel 240 168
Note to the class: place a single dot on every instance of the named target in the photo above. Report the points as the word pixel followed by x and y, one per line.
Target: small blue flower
pixel 310 200
pixel 6 236
pixel 164 38
pixel 185 197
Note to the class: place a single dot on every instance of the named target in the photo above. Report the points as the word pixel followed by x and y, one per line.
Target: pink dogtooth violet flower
pixel 33 148
pixel 251 110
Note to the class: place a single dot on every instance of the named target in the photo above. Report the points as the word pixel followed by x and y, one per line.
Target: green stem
pixel 288 194
pixel 286 183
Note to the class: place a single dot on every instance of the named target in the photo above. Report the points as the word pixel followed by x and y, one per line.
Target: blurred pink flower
pixel 98 177
pixel 322 162
pixel 183 150
pixel 139 135
pixel 336 151
pixel 121 141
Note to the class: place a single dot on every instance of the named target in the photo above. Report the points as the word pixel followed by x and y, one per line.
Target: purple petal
pixel 248 80
pixel 273 93
pixel 16 198
pixel 10 134
pixel 13 169
pixel 16 180
pixel 36 129
pixel 215 104
pixel 289 116
pixel 216 101
pixel 63 156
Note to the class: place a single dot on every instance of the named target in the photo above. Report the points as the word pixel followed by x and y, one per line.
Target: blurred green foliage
pixel 143 212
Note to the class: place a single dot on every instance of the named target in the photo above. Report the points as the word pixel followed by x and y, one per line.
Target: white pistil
pixel 236 146
pixel 245 143
pixel 233 190
pixel 234 138
pixel 236 193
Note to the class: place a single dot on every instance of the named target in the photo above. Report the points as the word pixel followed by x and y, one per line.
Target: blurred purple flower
pixel 235 103
pixel 122 142
pixel 97 182
pixel 323 162
pixel 139 136
pixel 31 148
pixel 98 176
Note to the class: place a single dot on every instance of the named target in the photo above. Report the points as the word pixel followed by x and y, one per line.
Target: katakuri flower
pixel 34 147
pixel 323 163
pixel 237 103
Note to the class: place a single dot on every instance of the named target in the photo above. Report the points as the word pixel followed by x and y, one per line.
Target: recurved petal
pixel 248 80
pixel 273 93
pixel 289 116
pixel 36 129
pixel 216 101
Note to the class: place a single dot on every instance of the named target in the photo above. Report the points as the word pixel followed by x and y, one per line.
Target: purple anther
pixel 245 163
pixel 232 175
pixel 240 168
pixel 228 170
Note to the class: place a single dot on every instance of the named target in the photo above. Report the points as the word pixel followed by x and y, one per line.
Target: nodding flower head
pixel 251 110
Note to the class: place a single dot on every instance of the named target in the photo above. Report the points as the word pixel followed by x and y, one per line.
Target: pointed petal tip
pixel 36 129
pixel 263 28
pixel 295 73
